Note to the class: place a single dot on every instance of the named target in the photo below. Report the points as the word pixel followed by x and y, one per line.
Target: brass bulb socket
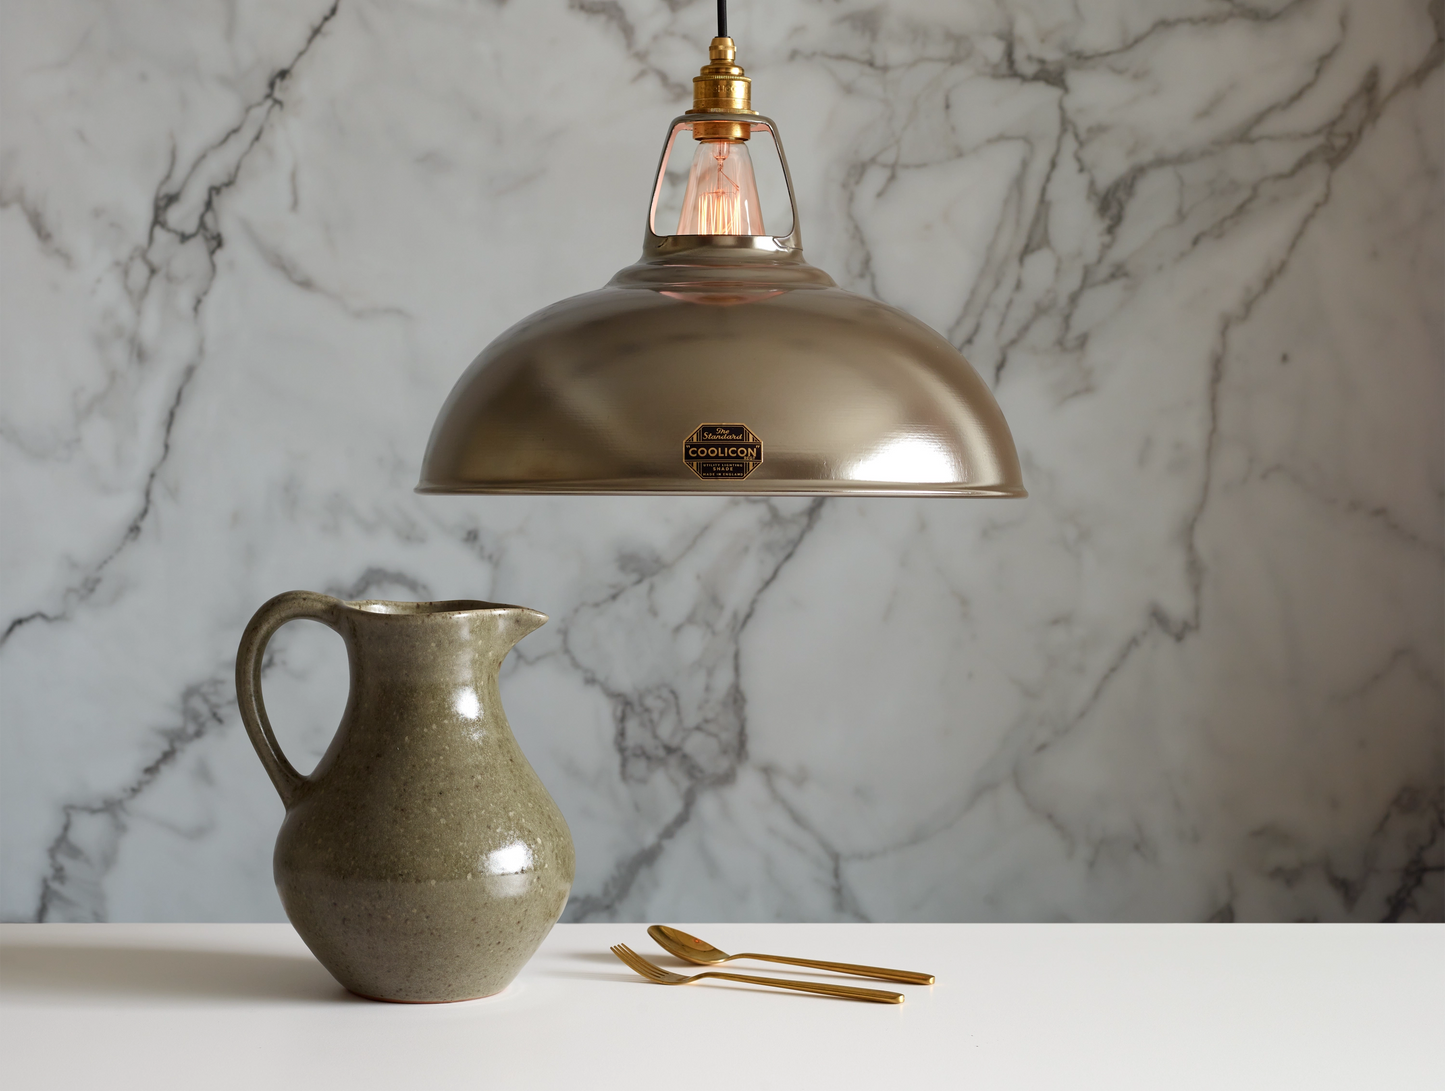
pixel 733 131
pixel 721 88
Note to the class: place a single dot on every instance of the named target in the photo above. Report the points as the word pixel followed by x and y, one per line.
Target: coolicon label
pixel 722 450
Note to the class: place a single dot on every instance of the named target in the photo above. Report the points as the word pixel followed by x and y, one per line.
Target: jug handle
pixel 288 606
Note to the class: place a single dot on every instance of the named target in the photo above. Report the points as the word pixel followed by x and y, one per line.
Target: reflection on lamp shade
pixel 906 459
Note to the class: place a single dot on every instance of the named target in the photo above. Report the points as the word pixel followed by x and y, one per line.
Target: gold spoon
pixel 677 942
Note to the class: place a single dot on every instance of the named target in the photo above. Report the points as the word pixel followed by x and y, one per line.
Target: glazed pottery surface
pixel 422 860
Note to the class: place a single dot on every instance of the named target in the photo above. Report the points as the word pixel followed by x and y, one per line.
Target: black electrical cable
pixel 722 18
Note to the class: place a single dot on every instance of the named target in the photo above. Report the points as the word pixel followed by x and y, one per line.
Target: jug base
pixel 449 1000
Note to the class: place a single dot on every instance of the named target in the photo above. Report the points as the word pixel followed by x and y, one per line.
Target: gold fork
pixel 657 974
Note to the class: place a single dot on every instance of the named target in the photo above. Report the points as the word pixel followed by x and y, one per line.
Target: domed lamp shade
pixel 721 363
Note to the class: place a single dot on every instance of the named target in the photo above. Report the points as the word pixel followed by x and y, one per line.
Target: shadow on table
pixel 606 960
pixel 64 971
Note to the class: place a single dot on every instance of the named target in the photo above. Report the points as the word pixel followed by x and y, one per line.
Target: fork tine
pixel 656 973
pixel 637 962
pixel 630 959
pixel 645 970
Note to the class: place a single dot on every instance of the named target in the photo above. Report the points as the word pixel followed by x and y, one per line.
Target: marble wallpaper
pixel 1194 246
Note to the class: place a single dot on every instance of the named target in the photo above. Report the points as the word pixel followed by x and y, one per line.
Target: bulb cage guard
pixel 655 245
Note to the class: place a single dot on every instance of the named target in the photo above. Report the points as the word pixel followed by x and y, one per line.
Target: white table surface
pixel 1016 1006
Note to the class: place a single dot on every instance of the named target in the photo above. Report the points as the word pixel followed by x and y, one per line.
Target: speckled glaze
pixel 422 860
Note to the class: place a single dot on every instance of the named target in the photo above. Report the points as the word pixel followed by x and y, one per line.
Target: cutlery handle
pixel 843 992
pixel 882 973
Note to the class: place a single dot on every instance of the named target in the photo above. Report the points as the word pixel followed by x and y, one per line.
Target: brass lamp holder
pixel 721 88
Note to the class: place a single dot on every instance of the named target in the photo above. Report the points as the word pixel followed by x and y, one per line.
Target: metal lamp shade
pixel 722 364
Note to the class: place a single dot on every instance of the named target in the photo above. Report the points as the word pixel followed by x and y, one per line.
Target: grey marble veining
pixel 1195 246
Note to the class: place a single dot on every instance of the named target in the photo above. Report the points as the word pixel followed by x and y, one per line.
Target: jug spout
pixel 523 620
pixel 497 627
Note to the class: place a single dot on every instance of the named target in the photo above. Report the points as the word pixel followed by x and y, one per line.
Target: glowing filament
pixel 722 193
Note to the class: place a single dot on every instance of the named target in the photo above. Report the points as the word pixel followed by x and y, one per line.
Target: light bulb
pixel 722 194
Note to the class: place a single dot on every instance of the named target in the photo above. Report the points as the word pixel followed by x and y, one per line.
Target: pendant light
pixel 721 362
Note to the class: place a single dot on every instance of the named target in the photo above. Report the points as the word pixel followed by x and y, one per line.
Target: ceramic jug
pixel 422 860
